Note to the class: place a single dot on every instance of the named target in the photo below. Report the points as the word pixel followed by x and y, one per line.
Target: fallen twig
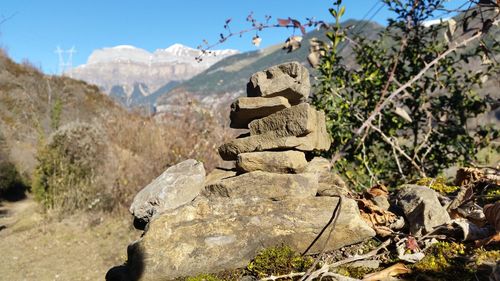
pixel 394 270
pixel 326 268
pixel 361 257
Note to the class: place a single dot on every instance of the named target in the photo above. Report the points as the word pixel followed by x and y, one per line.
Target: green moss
pixel 227 275
pixel 277 261
pixel 354 272
pixel 482 256
pixel 204 277
pixel 443 261
pixel 491 194
pixel 438 184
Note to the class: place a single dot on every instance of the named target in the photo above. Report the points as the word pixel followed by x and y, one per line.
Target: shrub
pixel 66 176
pixel 423 129
pixel 10 179
pixel 11 184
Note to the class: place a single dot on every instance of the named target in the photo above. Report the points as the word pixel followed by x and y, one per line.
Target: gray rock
pixel 215 235
pixel 382 202
pixel 421 207
pixel 290 80
pixel 270 141
pixel 329 183
pixel 272 161
pixel 298 120
pixel 260 184
pixel 244 110
pixel 177 186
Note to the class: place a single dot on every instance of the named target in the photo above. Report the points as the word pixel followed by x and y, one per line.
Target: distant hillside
pixel 225 80
pixel 230 75
pixel 33 106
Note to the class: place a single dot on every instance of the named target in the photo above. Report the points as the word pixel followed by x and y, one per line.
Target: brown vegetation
pixel 34 107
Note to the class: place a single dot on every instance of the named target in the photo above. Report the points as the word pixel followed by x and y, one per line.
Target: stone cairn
pixel 282 124
pixel 282 127
pixel 197 223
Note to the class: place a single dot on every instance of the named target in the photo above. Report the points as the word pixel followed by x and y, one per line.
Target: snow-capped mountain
pixel 118 70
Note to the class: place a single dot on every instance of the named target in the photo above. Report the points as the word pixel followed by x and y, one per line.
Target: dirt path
pixel 81 247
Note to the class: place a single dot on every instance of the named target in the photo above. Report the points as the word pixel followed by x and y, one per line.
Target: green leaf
pixel 341 12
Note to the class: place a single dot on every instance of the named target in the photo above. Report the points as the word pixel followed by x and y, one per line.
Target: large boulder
pixel 272 161
pixel 421 207
pixel 220 234
pixel 244 110
pixel 177 186
pixel 290 80
pixel 266 185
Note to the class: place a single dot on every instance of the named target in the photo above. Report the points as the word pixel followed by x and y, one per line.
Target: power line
pixel 365 22
pixel 358 29
pixel 65 65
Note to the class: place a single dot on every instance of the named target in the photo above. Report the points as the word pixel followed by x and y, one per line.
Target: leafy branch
pixel 257 26
pixel 421 124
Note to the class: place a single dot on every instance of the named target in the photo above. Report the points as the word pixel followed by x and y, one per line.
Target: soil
pixel 38 246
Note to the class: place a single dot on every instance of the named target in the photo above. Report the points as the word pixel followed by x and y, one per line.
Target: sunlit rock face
pixel 122 68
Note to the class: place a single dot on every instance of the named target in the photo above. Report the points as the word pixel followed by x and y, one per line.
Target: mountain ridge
pixel 117 70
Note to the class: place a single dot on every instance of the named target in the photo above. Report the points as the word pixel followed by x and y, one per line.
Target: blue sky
pixel 38 27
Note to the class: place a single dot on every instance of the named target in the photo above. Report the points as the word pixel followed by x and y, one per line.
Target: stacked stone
pixel 282 125
pixel 274 197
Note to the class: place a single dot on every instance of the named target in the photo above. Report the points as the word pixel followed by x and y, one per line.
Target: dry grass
pixel 33 106
pixel 145 147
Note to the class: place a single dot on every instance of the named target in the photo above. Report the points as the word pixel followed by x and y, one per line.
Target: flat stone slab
pixel 269 141
pixel 244 110
pixel 259 184
pixel 298 120
pixel 301 139
pixel 289 80
pixel 215 235
pixel 272 161
pixel 176 186
pixel 218 174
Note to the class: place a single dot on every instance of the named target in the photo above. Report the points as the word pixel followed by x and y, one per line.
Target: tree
pixel 402 110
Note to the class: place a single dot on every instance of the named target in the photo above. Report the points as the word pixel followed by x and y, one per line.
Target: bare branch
pixel 258 26
pixel 397 162
pixel 326 268
pixel 398 148
pixel 361 257
pixel 4 19
pixel 379 108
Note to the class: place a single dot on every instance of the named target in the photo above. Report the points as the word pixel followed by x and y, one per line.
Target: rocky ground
pixel 36 246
